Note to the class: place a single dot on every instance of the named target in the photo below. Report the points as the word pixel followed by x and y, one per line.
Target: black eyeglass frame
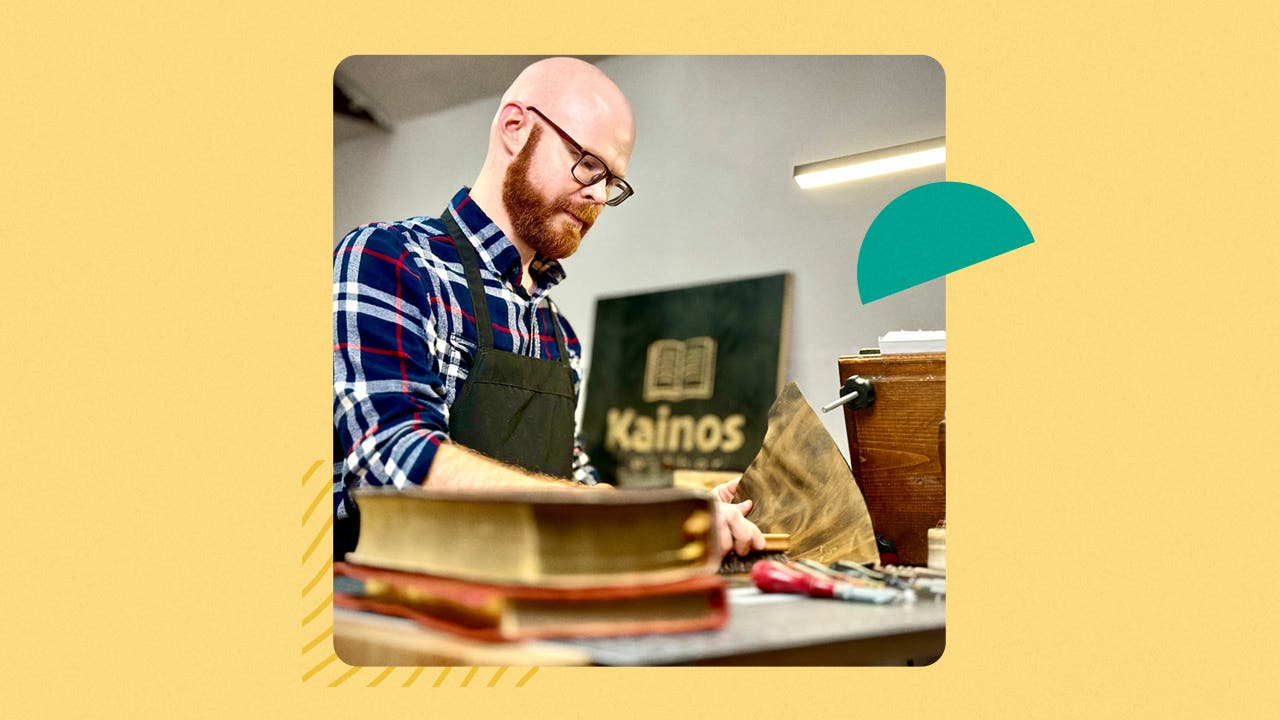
pixel 583 154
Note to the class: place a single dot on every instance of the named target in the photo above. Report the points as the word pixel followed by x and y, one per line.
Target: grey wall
pixel 717 138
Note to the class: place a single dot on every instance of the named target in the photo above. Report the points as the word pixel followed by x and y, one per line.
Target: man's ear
pixel 513 127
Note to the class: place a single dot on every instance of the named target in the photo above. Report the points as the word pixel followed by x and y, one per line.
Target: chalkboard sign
pixel 684 378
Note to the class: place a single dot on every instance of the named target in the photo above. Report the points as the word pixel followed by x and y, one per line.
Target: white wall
pixel 717 138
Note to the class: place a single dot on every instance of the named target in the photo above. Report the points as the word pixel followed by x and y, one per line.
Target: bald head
pixel 581 98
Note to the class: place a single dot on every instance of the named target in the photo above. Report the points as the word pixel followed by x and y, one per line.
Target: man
pixel 449 368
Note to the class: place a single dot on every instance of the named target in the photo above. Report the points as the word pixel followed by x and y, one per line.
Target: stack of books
pixel 903 342
pixel 496 566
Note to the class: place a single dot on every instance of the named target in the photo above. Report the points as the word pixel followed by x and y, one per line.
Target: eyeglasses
pixel 589 169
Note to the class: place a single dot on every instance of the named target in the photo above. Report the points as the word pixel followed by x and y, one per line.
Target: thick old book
pixel 483 611
pixel 551 538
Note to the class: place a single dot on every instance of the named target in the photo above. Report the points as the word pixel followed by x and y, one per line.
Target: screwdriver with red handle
pixel 774 577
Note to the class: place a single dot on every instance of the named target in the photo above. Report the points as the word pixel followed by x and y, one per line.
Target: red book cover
pixel 511 612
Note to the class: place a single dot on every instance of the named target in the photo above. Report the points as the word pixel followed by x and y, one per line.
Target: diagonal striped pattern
pixel 532 671
pixel 321 665
pixel 381 676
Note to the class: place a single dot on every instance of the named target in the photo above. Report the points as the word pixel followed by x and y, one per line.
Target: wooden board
pixel 801 485
pixel 896 446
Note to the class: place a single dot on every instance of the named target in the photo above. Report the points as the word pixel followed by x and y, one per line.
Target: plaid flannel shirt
pixel 404 337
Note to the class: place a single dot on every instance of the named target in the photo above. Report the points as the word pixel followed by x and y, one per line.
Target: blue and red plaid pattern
pixel 404 336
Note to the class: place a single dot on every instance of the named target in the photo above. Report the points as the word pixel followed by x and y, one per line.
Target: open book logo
pixel 678 370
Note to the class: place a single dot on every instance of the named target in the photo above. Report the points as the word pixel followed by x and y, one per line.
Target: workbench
pixel 763 629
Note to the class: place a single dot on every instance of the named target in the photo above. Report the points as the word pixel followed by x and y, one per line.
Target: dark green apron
pixel 512 408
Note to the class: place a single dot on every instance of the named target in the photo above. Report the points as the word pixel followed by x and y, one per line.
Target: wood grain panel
pixel 896 446
pixel 802 486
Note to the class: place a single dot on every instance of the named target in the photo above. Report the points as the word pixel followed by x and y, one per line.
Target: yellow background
pixel 166 185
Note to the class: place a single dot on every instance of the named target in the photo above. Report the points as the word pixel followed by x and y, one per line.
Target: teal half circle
pixel 933 230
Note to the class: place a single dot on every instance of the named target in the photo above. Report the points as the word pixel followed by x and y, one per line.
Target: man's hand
pixel 735 531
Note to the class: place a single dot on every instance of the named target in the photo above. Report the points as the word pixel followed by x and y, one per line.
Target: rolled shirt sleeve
pixel 389 413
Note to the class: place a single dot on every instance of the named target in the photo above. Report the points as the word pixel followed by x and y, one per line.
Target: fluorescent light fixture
pixel 869 164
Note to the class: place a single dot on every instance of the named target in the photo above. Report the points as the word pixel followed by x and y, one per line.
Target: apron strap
pixel 554 313
pixel 471 266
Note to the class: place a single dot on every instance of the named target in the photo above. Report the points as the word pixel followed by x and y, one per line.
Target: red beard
pixel 538 223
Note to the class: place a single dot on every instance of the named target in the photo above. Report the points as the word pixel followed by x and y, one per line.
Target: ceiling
pixel 374 93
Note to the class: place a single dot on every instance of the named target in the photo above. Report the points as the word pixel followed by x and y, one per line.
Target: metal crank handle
pixel 856 390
